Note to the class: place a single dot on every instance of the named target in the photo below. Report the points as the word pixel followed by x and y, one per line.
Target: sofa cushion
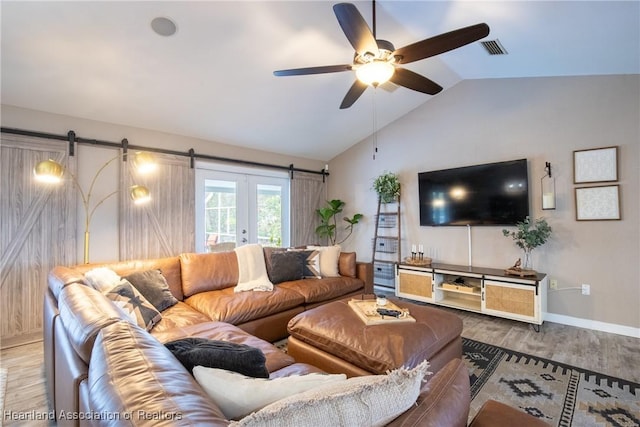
pixel 238 395
pixel 285 266
pixel 275 359
pixel 138 310
pixel 318 290
pixel 235 357
pixel 153 286
pixel 178 316
pixel 225 305
pixel 130 372
pixel 208 272
pixel 373 400
pixel 347 264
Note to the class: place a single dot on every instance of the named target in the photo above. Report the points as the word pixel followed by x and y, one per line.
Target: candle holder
pixel 548 188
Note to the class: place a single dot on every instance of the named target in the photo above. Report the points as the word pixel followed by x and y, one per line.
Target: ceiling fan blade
pixel 355 28
pixel 353 94
pixel 441 43
pixel 415 81
pixel 313 70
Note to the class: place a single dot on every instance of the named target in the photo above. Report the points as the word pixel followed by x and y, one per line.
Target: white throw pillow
pixel 102 279
pixel 238 395
pixel 373 400
pixel 329 257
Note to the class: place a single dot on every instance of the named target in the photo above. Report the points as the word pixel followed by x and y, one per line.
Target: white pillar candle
pixel 548 201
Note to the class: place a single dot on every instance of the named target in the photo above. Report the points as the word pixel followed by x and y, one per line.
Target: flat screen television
pixel 488 194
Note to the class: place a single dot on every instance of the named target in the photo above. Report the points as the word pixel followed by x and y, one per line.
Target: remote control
pixel 386 312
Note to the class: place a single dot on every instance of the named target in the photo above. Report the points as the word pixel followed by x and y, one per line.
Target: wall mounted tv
pixel 488 194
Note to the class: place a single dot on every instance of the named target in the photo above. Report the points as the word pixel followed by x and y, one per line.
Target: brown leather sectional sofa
pixel 103 370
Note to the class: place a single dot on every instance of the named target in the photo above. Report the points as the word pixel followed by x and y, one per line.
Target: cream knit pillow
pixel 373 400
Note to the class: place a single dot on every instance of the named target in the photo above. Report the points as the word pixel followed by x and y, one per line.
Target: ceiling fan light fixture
pixel 375 73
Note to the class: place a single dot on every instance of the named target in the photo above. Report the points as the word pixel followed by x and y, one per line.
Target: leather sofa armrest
pixel 364 271
pixel 444 400
pixel 60 276
pixel 497 414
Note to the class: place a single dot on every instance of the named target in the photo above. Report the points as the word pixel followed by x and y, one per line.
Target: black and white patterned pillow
pixel 310 263
pixel 135 306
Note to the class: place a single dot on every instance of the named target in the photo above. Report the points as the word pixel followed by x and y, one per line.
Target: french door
pixel 236 206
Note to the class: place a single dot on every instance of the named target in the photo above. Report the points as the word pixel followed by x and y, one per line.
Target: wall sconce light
pixel 51 172
pixel 548 188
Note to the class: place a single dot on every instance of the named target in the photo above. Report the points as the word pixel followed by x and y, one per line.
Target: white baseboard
pixel 592 324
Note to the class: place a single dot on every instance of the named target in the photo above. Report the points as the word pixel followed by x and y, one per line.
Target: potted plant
pixel 387 186
pixel 329 222
pixel 528 236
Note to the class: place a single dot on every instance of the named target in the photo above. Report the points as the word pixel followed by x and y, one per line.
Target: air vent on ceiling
pixel 494 47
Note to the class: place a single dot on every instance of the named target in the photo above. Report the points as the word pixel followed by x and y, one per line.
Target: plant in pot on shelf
pixel 329 222
pixel 387 186
pixel 528 235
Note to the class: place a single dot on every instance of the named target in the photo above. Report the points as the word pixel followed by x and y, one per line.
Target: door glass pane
pixel 220 212
pixel 269 214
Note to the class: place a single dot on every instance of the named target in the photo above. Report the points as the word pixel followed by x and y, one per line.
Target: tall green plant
pixel 329 222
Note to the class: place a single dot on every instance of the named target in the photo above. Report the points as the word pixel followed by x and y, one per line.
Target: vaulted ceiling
pixel 213 79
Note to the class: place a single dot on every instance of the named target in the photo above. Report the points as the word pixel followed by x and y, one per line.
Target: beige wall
pixel 543 120
pixel 104 225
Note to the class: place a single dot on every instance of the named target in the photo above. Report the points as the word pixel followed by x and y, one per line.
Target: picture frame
pixel 598 203
pixel 595 165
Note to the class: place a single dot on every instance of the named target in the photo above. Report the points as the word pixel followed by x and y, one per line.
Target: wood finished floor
pixel 614 355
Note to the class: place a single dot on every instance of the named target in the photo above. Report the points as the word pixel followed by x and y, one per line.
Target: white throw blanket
pixel 252 270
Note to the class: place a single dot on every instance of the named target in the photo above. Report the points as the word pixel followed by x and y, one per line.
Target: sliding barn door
pixel 37 232
pixel 308 194
pixel 165 226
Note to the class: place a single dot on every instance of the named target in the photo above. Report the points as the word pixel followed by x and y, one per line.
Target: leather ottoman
pixel 333 338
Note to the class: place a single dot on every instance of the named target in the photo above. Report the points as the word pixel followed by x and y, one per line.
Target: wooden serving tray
pixel 453 286
pixel 520 272
pixel 366 310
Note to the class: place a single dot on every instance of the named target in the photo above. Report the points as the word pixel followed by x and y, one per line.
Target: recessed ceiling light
pixel 163 26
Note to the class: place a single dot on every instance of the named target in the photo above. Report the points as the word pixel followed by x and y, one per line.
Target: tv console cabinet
pixel 482 290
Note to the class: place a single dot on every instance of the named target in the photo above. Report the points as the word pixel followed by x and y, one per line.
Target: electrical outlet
pixel 586 289
pixel 553 284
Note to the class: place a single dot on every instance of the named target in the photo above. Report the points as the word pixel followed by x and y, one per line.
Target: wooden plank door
pixel 37 232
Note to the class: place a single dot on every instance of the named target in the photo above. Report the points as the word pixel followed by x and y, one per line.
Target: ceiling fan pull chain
pixel 375 124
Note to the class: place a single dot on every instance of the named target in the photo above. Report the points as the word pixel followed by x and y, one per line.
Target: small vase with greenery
pixel 329 222
pixel 528 236
pixel 387 186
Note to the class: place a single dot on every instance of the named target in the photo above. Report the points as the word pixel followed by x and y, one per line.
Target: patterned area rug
pixel 560 394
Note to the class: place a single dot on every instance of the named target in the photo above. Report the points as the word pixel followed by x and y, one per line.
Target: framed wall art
pixel 598 203
pixel 595 165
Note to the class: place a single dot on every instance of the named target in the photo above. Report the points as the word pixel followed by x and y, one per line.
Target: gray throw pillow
pixel 153 286
pixel 285 266
pixel 241 358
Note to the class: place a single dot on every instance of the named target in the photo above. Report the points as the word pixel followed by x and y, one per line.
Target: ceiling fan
pixel 377 61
